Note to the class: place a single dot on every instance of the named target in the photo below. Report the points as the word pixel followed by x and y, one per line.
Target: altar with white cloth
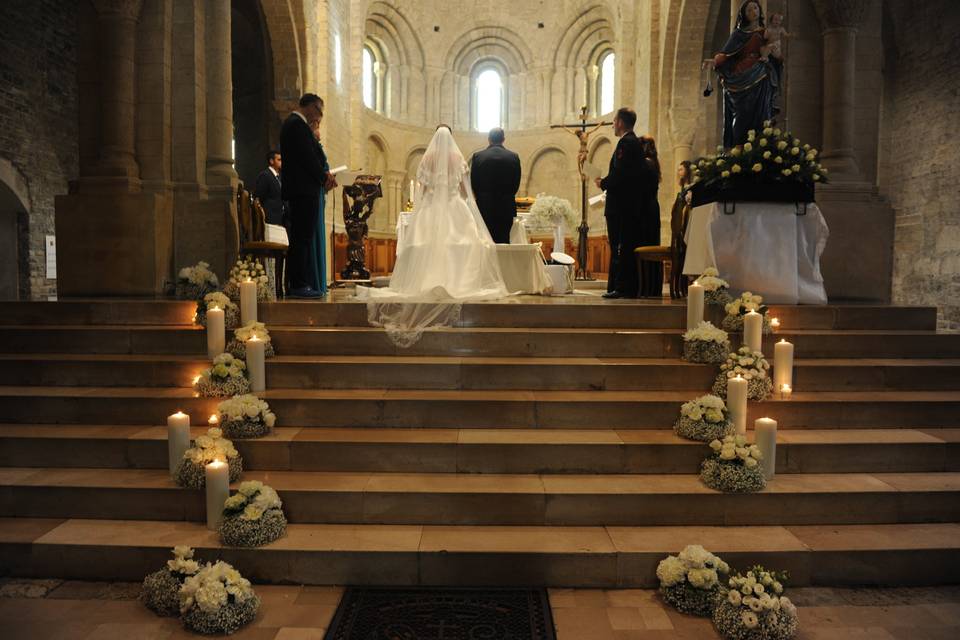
pixel 521 264
pixel 762 247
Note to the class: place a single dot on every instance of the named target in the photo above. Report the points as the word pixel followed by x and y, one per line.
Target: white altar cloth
pixel 764 248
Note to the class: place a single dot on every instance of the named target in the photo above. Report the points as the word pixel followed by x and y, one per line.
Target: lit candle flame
pixel 214 419
pixel 196 379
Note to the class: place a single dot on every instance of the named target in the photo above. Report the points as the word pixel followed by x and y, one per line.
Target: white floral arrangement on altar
pixel 191 472
pixel 195 282
pixel 253 516
pixel 218 300
pixel 755 608
pixel 552 211
pixel 734 466
pixel 752 366
pixel 160 591
pixel 227 377
pixel 217 600
pixel 245 416
pixel 248 267
pixel 238 345
pixel 705 344
pixel 739 307
pixel 703 419
pixel 716 290
pixel 690 581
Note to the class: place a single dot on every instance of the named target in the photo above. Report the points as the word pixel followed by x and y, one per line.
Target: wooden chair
pixel 673 255
pixel 252 220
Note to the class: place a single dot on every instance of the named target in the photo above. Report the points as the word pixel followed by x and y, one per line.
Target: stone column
pixel 840 20
pixel 219 76
pixel 117 25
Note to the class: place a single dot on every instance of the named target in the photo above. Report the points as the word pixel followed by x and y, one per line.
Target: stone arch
pixel 411 163
pixel 404 77
pixel 585 39
pixel 489 41
pixel 287 51
pixel 256 129
pixel 549 172
pixel 14 238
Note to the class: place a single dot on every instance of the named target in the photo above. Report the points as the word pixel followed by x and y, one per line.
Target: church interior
pixel 536 447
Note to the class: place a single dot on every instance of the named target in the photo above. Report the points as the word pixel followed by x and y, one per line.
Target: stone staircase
pixel 532 444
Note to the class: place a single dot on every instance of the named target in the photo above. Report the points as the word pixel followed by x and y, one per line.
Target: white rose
pixel 716 445
pixel 750 463
pixel 749 620
pixel 734 598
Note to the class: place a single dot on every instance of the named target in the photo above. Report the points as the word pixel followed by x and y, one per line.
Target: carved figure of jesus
pixel 772 36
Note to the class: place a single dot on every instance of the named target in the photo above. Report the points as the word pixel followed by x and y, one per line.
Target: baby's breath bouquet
pixel 238 346
pixel 739 307
pixel 716 290
pixel 195 282
pixel 227 377
pixel 248 267
pixel 219 300
pixel 551 211
pixel 705 418
pixel 253 516
pixel 705 344
pixel 755 609
pixel 160 592
pixel 217 600
pixel 245 416
pixel 733 467
pixel 191 472
pixel 691 582
pixel 752 366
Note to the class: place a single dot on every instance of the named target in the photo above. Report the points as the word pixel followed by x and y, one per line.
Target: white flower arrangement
pixel 248 267
pixel 752 366
pixel 160 592
pixel 755 609
pixel 238 345
pixel 739 307
pixel 704 419
pixel 733 466
pixel 550 211
pixel 227 377
pixel 245 416
pixel 195 282
pixel 191 472
pixel 219 300
pixel 217 600
pixel 716 290
pixel 705 343
pixel 690 581
pixel 253 516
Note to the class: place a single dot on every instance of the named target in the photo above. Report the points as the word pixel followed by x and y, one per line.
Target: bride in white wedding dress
pixel 445 256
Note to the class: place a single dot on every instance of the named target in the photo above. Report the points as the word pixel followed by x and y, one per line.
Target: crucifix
pixel 583 135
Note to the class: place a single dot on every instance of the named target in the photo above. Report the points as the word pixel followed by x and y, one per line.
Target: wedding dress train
pixel 446 255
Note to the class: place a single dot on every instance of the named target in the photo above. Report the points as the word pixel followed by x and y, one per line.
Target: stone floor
pixel 49 609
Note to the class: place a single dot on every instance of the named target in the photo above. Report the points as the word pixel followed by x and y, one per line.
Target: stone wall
pixel 38 120
pixel 919 168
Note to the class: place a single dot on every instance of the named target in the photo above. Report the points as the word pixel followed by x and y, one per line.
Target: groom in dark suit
pixel 495 178
pixel 303 176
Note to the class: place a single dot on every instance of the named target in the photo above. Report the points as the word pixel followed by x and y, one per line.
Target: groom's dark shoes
pixel 613 295
pixel 304 293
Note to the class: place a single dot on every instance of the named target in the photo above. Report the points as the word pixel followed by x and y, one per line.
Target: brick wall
pixel 919 168
pixel 38 119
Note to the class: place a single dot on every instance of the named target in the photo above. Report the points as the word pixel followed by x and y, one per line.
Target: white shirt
pixel 273 171
pixel 302 117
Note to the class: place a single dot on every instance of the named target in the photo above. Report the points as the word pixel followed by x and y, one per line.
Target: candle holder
pixel 786 392
pixel 775 324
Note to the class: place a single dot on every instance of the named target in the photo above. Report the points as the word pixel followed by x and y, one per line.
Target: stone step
pixel 483 341
pixel 599 451
pixel 607 557
pixel 521 311
pixel 497 499
pixel 477 373
pixel 475 409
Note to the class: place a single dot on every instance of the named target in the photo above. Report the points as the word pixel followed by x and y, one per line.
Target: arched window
pixel 605 82
pixel 488 99
pixel 372 73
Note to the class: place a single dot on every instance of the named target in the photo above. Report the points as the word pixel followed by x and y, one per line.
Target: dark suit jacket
pixel 267 190
pixel 495 178
pixel 303 171
pixel 624 178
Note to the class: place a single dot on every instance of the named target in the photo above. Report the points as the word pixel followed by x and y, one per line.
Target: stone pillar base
pixel 206 230
pixel 113 245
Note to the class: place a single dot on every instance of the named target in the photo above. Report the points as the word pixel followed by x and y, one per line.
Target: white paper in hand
pixel 600 198
pixel 339 169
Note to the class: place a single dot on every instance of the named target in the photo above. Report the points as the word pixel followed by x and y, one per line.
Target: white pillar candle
pixel 255 366
pixel 737 402
pixel 216 332
pixel 178 438
pixel 782 364
pixel 248 302
pixel 694 306
pixel 218 490
pixel 411 191
pixel 753 330
pixel 765 435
